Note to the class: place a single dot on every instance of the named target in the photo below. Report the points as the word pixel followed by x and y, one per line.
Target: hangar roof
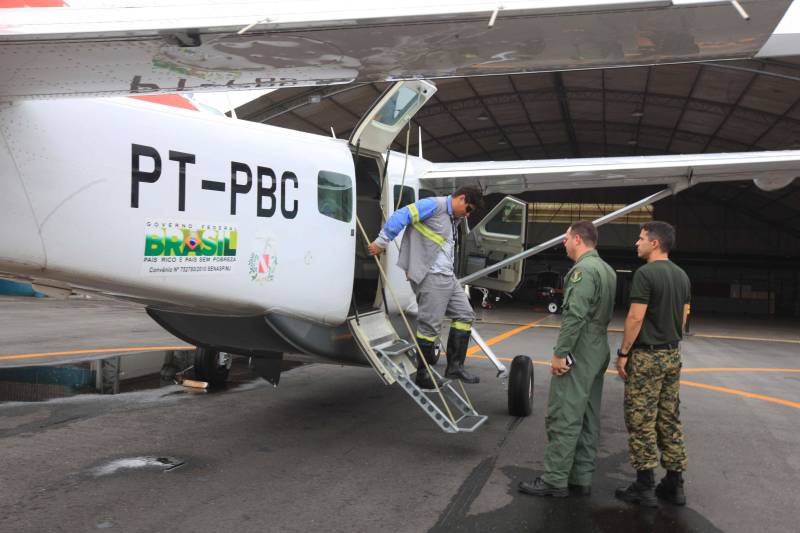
pixel 666 109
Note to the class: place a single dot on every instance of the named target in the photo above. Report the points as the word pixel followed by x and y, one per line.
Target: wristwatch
pixel 620 354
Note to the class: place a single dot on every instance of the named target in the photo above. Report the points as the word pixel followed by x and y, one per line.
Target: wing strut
pixel 558 240
pixel 501 369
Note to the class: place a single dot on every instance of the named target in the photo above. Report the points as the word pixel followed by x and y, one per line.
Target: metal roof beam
pixel 494 119
pixel 558 82
pixel 528 117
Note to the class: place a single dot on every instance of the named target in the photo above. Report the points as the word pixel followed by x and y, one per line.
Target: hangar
pixel 738 242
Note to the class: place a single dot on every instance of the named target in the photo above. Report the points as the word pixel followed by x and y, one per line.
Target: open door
pixel 390 113
pixel 499 235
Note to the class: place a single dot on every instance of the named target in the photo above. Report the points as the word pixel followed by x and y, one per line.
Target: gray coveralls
pixel 426 255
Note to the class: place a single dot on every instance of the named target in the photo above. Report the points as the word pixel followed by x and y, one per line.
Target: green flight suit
pixel 573 410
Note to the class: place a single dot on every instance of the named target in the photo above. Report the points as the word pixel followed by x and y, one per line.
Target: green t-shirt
pixel 665 288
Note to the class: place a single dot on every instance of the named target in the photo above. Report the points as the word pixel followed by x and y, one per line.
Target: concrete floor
pixel 332 449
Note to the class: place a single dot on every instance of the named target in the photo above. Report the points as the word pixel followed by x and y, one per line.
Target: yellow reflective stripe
pixel 429 234
pixel 462 326
pixel 414 213
pixel 425 337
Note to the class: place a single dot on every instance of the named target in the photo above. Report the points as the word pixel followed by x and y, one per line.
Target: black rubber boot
pixel 670 488
pixel 539 487
pixel 580 490
pixel 457 342
pixel 424 378
pixel 640 491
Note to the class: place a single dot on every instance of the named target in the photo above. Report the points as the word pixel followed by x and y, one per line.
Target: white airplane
pixel 245 238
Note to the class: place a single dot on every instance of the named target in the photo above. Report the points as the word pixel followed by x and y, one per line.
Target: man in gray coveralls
pixel 427 257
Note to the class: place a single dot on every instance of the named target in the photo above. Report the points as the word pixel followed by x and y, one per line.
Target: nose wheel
pixel 211 365
pixel 520 386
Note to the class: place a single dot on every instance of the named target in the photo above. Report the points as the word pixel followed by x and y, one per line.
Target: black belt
pixel 654 347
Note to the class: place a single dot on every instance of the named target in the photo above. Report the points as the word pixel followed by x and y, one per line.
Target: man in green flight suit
pixel 573 410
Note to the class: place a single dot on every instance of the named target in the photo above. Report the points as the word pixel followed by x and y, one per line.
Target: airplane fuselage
pixel 178 207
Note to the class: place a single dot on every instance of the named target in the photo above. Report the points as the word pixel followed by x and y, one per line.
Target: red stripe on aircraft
pixel 32 3
pixel 173 100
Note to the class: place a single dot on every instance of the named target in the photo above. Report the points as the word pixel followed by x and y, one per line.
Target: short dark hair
pixel 472 195
pixel 662 232
pixel 586 230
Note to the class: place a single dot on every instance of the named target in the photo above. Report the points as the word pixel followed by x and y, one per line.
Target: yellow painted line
pixel 98 351
pixel 742 369
pixel 503 336
pixel 472 351
pixel 701 335
pixel 737 338
pixel 726 390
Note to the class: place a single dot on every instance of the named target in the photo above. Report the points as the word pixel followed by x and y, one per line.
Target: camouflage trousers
pixel 652 409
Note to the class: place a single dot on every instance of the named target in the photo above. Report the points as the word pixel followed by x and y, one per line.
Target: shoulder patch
pixel 576 276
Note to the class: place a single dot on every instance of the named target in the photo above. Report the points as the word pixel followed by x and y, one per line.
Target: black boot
pixel 540 487
pixel 424 377
pixel 457 342
pixel 670 488
pixel 640 491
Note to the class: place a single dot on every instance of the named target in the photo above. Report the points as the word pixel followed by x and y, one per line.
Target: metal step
pixel 395 361
pixel 466 418
pixel 374 331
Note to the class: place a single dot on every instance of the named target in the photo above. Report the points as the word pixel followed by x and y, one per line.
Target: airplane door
pixel 390 113
pixel 499 235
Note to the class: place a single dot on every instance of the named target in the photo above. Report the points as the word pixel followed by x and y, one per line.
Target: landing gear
pixel 211 365
pixel 520 386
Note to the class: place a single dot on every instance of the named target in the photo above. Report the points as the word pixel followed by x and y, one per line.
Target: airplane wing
pixel 769 170
pixel 116 47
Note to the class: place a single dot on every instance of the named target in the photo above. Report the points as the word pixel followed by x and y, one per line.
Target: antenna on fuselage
pixel 230 104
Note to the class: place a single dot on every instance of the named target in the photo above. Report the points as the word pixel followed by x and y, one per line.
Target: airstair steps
pixel 395 361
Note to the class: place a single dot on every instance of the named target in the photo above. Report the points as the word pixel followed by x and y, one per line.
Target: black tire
pixel 553 308
pixel 520 386
pixel 206 367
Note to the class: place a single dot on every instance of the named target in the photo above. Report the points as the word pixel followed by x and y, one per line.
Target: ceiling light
pixel 637 114
pixel 482 116
pixel 314 99
pixel 633 142
pixel 502 141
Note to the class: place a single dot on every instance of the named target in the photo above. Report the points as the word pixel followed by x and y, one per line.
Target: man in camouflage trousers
pixel 573 409
pixel 649 361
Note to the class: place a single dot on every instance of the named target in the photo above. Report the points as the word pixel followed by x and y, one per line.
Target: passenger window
pixel 335 195
pixel 408 196
pixel 507 222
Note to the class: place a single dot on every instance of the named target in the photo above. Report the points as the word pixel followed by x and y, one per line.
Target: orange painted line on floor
pixel 742 369
pixel 503 336
pixel 701 335
pixel 726 390
pixel 737 338
pixel 103 350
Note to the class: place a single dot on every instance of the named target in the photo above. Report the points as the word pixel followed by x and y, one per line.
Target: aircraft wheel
pixel 211 365
pixel 520 386
pixel 552 307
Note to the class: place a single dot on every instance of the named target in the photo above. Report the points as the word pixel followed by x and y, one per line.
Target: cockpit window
pixel 335 195
pixel 508 221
